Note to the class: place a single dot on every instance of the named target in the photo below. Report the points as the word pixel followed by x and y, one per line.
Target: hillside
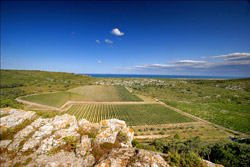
pixel 15 83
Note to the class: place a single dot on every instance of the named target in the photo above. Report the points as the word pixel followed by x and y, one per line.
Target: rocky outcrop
pixel 131 157
pixel 63 141
pixel 15 117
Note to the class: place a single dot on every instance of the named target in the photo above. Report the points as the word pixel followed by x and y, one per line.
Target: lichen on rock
pixel 15 117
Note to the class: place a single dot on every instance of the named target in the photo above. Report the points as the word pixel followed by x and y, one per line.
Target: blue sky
pixel 158 37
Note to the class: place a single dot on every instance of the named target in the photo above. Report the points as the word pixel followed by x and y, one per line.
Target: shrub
pixel 189 159
pixel 71 142
pixel 161 133
pixel 176 136
pixel 47 114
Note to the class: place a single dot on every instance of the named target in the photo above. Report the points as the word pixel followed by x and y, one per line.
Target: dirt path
pixel 150 136
pixel 68 104
pixel 35 104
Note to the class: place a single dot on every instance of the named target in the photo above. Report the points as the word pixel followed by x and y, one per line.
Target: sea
pixel 157 76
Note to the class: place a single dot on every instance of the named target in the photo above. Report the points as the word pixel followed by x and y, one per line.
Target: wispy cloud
pixel 108 41
pixel 229 60
pixel 100 62
pixel 117 32
pixel 98 41
pixel 232 57
pixel 73 33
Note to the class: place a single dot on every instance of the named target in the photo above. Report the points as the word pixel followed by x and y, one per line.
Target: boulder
pixel 63 121
pixel 88 127
pixel 109 130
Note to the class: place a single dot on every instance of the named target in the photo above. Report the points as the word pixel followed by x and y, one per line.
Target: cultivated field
pixel 224 102
pixel 102 93
pixel 84 93
pixel 133 115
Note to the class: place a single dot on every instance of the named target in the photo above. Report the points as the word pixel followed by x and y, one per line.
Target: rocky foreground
pixel 63 141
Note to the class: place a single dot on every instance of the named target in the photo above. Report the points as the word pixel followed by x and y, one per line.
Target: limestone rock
pixel 109 130
pixel 132 157
pixel 56 140
pixel 15 118
pixel 85 145
pixel 210 164
pixel 5 143
pixel 61 159
pixel 146 158
pixel 40 122
pixel 87 126
pixel 35 140
pixel 129 134
pixel 20 136
pixel 27 131
pixel 62 121
pixel 46 138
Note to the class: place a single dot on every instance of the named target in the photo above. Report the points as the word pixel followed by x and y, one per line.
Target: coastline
pixel 140 76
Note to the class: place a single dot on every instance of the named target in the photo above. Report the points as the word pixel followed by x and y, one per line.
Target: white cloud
pixel 73 33
pixel 228 60
pixel 100 62
pixel 232 57
pixel 108 41
pixel 98 41
pixel 117 32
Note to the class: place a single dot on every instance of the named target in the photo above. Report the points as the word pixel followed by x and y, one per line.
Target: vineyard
pixel 133 115
pixel 99 93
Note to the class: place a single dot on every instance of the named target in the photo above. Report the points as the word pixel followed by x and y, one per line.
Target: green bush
pixel 176 136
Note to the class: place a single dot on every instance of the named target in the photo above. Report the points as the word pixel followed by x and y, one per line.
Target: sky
pixel 208 38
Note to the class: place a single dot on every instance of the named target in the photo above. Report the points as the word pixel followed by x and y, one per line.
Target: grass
pixel 16 83
pixel 133 115
pixel 84 93
pixel 230 115
pixel 53 99
pixel 103 93
pixel 224 102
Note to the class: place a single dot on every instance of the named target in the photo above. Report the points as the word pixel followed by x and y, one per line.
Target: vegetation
pixel 71 142
pixel 9 134
pixel 84 93
pixel 15 83
pixel 135 115
pixel 104 93
pixel 52 99
pixel 186 153
pixel 224 102
pixel 98 150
